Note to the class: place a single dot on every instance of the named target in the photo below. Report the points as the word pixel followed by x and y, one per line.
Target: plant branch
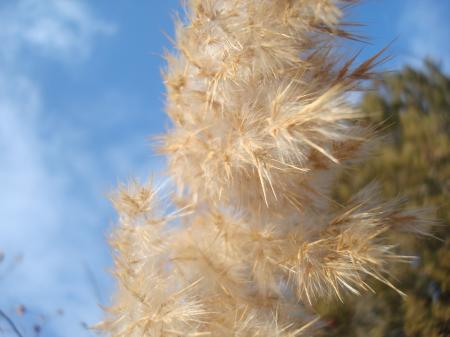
pixel 11 323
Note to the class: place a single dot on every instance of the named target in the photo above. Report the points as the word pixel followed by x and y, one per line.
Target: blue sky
pixel 80 95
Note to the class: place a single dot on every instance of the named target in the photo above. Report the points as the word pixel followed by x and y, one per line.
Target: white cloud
pixel 423 25
pixel 62 29
pixel 41 215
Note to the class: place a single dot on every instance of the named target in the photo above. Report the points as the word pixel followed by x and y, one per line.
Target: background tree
pixel 413 160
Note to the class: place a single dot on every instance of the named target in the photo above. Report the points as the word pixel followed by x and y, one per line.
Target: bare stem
pixel 11 323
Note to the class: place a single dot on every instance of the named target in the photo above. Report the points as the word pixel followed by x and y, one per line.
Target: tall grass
pixel 250 237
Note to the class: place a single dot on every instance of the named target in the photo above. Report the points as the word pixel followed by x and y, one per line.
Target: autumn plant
pixel 247 237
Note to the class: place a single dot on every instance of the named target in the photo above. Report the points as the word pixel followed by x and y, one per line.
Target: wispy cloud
pixel 424 27
pixel 61 29
pixel 42 214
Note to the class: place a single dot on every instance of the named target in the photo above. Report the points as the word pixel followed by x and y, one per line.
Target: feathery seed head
pixel 257 99
pixel 257 94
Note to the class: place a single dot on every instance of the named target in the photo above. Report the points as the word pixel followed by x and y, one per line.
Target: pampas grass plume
pixel 249 238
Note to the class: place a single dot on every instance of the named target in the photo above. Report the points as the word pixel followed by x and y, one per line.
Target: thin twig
pixel 93 282
pixel 11 323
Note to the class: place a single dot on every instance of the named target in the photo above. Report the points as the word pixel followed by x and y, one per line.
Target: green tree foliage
pixel 413 161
